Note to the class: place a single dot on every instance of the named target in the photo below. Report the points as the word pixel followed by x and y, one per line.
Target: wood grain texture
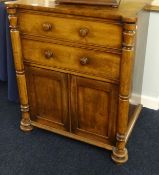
pixel 93 108
pixel 65 28
pixel 25 124
pixel 79 66
pixel 70 58
pixel 120 153
pixel 48 99
pixel 127 11
pixel 106 145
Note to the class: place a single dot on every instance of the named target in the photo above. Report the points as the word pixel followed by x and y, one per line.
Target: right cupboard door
pixel 93 109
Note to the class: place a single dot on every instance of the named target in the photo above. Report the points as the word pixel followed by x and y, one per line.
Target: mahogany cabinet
pixel 74 66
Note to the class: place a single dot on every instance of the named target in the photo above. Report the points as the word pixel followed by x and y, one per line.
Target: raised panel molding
pixel 92 118
pixel 45 85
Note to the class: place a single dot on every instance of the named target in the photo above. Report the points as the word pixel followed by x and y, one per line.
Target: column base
pixel 25 125
pixel 119 156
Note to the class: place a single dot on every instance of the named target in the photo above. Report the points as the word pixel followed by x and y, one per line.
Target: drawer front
pixel 69 29
pixel 105 65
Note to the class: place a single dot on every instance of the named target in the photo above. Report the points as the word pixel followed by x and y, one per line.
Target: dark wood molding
pixel 113 3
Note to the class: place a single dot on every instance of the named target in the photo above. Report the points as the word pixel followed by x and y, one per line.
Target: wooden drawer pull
pixel 84 61
pixel 83 32
pixel 48 54
pixel 46 27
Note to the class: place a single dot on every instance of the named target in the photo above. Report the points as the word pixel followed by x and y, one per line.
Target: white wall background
pixel 150 90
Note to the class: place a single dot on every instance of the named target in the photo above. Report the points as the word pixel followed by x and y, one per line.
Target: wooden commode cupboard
pixel 74 66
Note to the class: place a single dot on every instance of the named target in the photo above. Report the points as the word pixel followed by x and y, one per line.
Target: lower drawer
pixel 100 64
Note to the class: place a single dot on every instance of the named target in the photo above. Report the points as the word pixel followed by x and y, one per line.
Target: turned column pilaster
pixel 25 124
pixel 120 153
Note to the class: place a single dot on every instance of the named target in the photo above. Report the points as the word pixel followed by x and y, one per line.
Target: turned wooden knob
pixel 84 61
pixel 48 54
pixel 83 32
pixel 46 27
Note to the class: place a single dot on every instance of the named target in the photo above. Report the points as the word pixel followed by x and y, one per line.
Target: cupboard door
pixel 93 109
pixel 48 99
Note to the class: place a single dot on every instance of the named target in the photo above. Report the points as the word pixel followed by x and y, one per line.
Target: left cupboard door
pixel 48 97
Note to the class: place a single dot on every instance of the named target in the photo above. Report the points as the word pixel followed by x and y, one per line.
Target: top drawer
pixel 90 32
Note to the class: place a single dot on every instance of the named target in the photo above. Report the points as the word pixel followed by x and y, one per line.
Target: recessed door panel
pixel 48 97
pixel 93 108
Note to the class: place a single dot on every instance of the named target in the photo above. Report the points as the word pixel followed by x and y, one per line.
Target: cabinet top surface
pixel 127 10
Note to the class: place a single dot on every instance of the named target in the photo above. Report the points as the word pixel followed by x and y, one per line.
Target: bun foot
pixel 119 156
pixel 25 125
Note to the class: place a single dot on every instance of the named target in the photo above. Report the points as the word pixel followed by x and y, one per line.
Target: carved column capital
pixel 129 33
pixel 12 15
